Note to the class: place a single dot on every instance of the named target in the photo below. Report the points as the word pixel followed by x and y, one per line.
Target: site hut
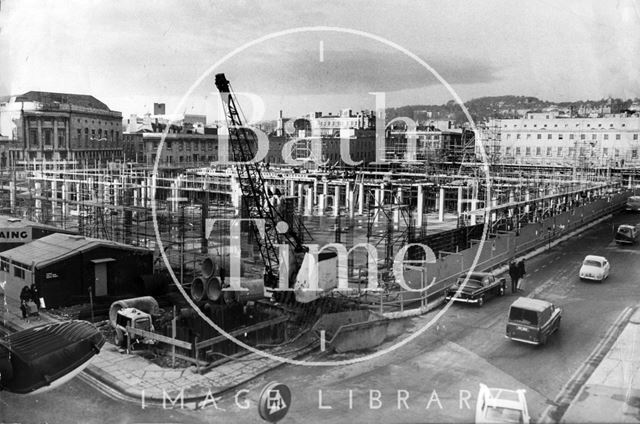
pixel 15 232
pixel 64 267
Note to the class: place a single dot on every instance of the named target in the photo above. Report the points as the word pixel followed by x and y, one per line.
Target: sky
pixel 130 54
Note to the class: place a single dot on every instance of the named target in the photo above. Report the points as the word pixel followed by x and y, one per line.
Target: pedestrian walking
pixel 521 273
pixel 35 296
pixel 513 273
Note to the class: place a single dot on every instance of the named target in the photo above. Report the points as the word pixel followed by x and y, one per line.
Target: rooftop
pixel 56 247
pixel 83 100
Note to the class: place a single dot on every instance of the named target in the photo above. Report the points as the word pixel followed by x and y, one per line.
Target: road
pixel 432 379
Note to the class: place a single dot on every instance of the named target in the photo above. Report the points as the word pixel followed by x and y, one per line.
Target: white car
pixel 595 268
pixel 501 406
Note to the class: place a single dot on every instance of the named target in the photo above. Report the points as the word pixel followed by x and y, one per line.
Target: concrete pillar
pixel 441 205
pixel 78 197
pixel 308 208
pixel 38 186
pixel 325 188
pixel 174 198
pixel 396 210
pixel 527 197
pixel 420 201
pixel 65 199
pixel 300 198
pixel 459 201
pixel 116 192
pixel 360 198
pixel 315 191
pixel 12 196
pixel 349 195
pixel 377 204
pixel 336 201
pixel 474 206
pixel 54 198
pixel 136 197
pixel 322 199
pixel 292 187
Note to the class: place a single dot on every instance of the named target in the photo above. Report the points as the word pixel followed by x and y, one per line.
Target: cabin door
pixel 101 279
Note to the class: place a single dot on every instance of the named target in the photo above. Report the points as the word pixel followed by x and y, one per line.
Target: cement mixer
pixel 145 303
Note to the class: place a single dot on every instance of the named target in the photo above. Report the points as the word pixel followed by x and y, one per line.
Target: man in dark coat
pixel 521 270
pixel 513 273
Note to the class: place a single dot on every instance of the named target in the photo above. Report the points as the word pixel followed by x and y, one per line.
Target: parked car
pixel 595 268
pixel 479 287
pixel 633 204
pixel 501 406
pixel 626 234
pixel 532 320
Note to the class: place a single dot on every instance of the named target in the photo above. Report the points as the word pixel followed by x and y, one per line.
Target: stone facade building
pixel 48 126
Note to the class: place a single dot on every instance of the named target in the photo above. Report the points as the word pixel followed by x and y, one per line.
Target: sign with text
pixel 15 235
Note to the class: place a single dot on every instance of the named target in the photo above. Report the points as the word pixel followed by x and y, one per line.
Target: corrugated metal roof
pixel 56 247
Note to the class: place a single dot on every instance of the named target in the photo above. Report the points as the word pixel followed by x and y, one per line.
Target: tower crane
pixel 257 204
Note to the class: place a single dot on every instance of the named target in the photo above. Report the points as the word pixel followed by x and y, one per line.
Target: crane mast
pixel 256 202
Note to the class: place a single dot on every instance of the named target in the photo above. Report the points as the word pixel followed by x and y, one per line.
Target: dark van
pixel 532 320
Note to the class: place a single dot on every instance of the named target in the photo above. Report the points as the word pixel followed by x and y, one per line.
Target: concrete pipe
pixel 215 265
pixel 214 288
pixel 255 291
pixel 199 289
pixel 145 303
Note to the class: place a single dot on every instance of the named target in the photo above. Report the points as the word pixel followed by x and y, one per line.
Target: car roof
pixel 627 226
pixel 537 305
pixel 595 258
pixel 476 275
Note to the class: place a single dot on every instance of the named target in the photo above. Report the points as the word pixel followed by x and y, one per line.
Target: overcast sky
pixel 131 54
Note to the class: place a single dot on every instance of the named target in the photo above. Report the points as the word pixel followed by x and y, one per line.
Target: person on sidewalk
pixel 521 273
pixel 513 273
pixel 35 296
pixel 24 309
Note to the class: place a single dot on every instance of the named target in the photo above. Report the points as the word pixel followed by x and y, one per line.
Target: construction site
pixel 469 213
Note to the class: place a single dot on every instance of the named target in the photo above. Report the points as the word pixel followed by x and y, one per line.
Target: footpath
pixel 611 394
pixel 132 377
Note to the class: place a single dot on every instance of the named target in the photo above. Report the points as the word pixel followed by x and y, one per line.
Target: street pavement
pixel 433 379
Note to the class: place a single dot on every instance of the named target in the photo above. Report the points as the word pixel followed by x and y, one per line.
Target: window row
pixel 571 136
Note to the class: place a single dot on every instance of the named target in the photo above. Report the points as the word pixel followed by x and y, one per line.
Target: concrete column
pixel 300 198
pixel 292 187
pixel 360 198
pixel 322 199
pixel 441 205
pixel 325 188
pixel 420 212
pixel 65 199
pixel 308 208
pixel 377 204
pixel 459 201
pixel 54 142
pixel 136 197
pixel 78 197
pixel 12 196
pixel 336 201
pixel 116 192
pixel 174 198
pixel 396 210
pixel 54 198
pixel 38 186
pixel 474 206
pixel 315 191
pixel 349 196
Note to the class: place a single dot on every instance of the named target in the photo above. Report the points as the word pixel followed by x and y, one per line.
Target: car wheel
pixel 481 300
pixel 543 339
pixel 558 325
